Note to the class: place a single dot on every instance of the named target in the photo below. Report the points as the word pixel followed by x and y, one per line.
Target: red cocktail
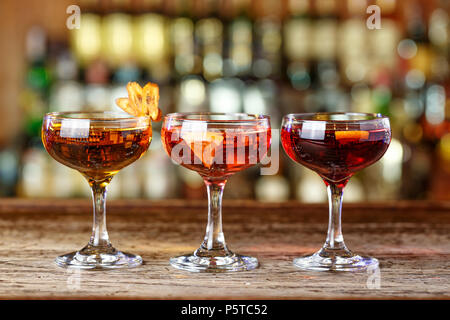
pixel 216 145
pixel 338 153
pixel 335 145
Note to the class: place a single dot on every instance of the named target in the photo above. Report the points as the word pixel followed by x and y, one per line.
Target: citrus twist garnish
pixel 141 101
pixel 361 135
pixel 208 143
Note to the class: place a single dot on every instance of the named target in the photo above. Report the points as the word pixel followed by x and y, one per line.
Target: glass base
pixel 98 258
pixel 230 262
pixel 335 260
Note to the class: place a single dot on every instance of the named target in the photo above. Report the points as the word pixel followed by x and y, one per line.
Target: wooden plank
pixel 409 210
pixel 411 240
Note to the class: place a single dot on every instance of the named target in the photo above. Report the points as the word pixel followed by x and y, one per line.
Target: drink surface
pixel 335 154
pixel 218 150
pixel 97 152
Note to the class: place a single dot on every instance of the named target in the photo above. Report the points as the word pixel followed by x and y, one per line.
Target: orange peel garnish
pixel 209 142
pixel 361 135
pixel 141 101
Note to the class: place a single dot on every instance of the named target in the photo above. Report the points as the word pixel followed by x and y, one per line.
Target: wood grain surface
pixel 411 240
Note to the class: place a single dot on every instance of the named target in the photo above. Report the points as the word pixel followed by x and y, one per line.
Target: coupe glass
pixel 98 145
pixel 216 145
pixel 335 145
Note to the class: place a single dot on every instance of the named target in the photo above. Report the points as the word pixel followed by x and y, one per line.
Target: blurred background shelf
pixel 270 56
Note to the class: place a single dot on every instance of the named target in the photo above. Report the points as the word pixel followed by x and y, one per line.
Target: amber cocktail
pixel 98 145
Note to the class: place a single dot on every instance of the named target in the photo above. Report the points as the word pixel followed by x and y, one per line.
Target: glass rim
pixel 252 118
pixel 110 116
pixel 308 116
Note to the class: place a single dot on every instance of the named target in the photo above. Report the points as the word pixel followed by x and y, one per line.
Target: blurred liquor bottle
pixel 182 38
pixel 296 94
pixel 414 55
pixel 297 32
pixel 34 97
pixel 151 46
pixel 66 91
pixel 209 31
pixel 268 39
pixel 239 41
pixel 436 121
pixel 260 96
pixel 37 81
pixel 437 102
pixel 326 79
pixel 188 84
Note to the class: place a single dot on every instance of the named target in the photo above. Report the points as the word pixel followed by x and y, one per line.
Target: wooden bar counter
pixel 410 239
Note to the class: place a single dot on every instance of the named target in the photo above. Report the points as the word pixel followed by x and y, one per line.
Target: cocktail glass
pixel 215 145
pixel 335 145
pixel 98 145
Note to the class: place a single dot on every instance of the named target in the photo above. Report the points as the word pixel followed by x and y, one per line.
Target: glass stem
pixel 335 239
pixel 214 238
pixel 99 236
